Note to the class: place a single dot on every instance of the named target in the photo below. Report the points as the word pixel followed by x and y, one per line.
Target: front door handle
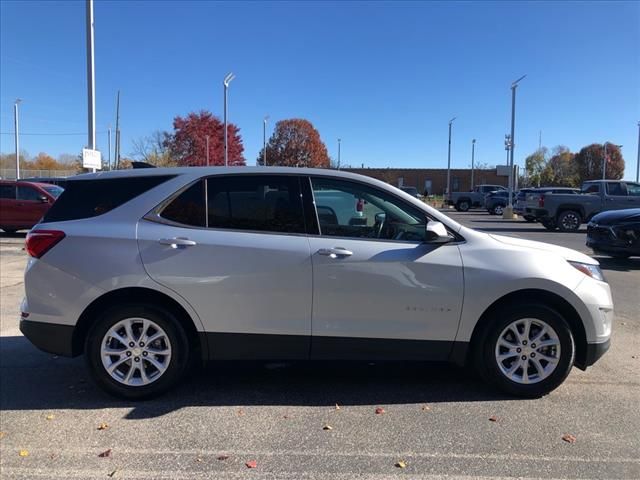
pixel 177 242
pixel 335 252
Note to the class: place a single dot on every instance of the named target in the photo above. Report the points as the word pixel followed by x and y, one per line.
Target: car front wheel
pixel 463 206
pixel 569 221
pixel 528 351
pixel 137 351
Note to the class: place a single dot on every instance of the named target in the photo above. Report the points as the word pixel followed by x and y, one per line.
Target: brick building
pixel 433 180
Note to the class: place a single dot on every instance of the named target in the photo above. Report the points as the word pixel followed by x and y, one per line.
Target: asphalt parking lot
pixel 439 420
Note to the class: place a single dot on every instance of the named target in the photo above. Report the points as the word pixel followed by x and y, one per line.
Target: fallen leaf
pixel 426 408
pixel 493 419
pixel 2 434
pixel 240 412
pixel 52 456
pixel 337 407
pixel 105 454
pixel 379 411
pixel 103 426
pixel 50 417
pixel 327 427
pixel 199 460
pixel 401 464
pixel 251 464
pixel 569 438
pixel 223 457
pixel 24 453
pixel 112 474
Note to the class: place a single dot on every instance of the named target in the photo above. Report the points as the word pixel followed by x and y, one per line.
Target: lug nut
pixel 524 357
pixel 533 354
pixel 128 354
pixel 144 354
pixel 524 342
pixel 533 345
pixel 131 344
pixel 137 359
pixel 518 350
pixel 142 344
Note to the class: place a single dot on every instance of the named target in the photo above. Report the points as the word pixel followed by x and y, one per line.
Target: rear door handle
pixel 335 252
pixel 177 242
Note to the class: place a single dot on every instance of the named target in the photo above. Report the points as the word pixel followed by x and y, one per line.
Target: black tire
pixel 485 348
pixel 491 211
pixel 529 218
pixel 569 221
pixel 10 231
pixel 549 224
pixel 177 338
pixel 463 205
pixel 498 210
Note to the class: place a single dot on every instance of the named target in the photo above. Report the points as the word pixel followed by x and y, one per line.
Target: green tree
pixel 535 164
pixel 560 169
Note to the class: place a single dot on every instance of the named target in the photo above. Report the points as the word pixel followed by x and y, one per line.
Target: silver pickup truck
pixel 568 211
pixel 463 201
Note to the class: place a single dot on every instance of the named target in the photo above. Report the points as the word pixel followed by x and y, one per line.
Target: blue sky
pixel 384 77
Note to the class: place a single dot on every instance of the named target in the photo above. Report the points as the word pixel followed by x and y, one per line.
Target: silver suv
pixel 145 271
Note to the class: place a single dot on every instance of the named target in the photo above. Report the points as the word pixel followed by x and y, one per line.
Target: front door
pixel 379 291
pixel 30 206
pixel 235 248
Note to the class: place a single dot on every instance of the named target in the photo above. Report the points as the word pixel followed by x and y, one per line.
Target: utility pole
pixel 207 139
pixel 264 140
pixel 508 212
pixel 448 190
pixel 117 145
pixel 109 146
pixel 17 136
pixel 604 162
pixel 638 160
pixel 540 140
pixel 226 82
pixel 339 141
pixel 473 151
pixel 91 79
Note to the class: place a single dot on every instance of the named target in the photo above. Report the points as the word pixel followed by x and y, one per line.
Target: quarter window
pixel 349 209
pixel 188 208
pixel 633 189
pixel 28 193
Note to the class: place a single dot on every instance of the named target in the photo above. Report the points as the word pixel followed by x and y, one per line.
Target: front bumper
pixel 593 353
pixel 50 337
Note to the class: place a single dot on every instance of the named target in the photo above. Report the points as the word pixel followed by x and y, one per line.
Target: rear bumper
pixel 50 337
pixel 593 353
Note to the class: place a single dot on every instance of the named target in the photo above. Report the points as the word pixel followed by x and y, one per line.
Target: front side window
pixel 615 189
pixel 350 209
pixel 28 193
pixel 267 203
pixel 633 189
pixel 591 188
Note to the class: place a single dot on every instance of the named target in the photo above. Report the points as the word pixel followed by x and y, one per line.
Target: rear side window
pixel 8 192
pixel 267 203
pixel 633 189
pixel 90 198
pixel 615 189
pixel 28 193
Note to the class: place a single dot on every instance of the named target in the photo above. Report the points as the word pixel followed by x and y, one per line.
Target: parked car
pixel 535 197
pixel 60 181
pixel 463 201
pixel 413 191
pixel 615 233
pixel 143 271
pixel 22 204
pixel 521 202
pixel 496 201
pixel 568 212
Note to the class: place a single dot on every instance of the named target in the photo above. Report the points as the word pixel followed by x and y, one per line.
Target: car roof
pixel 25 182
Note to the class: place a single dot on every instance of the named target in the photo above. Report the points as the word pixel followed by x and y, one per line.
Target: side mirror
pixel 380 217
pixel 43 199
pixel 436 232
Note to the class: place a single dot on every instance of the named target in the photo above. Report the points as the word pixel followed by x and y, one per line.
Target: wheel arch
pixel 138 295
pixel 572 207
pixel 545 297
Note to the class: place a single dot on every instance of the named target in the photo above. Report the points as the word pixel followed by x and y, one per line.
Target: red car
pixel 22 204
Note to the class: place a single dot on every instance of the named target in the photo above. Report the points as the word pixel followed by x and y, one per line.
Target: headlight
pixel 589 270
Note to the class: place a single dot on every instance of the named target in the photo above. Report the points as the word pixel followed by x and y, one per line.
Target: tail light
pixel 541 201
pixel 40 242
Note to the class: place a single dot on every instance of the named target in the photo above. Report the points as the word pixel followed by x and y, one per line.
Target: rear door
pixel 235 247
pixel 616 197
pixel 7 204
pixel 30 206
pixel 633 195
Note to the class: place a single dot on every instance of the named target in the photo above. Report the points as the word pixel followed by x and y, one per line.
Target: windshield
pixel 54 190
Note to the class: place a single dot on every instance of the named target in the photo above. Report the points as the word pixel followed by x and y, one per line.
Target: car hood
pixel 630 215
pixel 566 253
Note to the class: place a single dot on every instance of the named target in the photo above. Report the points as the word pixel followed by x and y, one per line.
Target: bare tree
pixel 153 149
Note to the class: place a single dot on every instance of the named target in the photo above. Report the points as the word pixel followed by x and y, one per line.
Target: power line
pixel 52 134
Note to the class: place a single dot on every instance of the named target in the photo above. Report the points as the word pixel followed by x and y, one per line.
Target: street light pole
pixel 448 192
pixel 264 140
pixel 508 213
pixel 473 151
pixel 339 141
pixel 207 141
pixel 638 160
pixel 109 147
pixel 17 136
pixel 226 82
pixel 604 162
pixel 91 79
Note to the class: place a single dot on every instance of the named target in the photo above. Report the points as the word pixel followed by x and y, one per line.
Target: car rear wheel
pixel 137 351
pixel 569 221
pixel 549 224
pixel 527 351
pixel 498 210
pixel 463 205
pixel 10 231
pixel 529 218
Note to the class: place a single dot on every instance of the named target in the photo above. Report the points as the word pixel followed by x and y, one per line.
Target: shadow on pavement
pixel 33 380
pixel 514 229
pixel 619 264
pixel 20 235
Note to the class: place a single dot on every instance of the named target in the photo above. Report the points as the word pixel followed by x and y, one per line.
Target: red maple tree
pixel 188 142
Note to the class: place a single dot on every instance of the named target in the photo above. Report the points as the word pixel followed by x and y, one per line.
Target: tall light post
pixel 17 135
pixel 109 147
pixel 339 142
pixel 226 82
pixel 91 79
pixel 638 160
pixel 473 152
pixel 207 142
pixel 264 140
pixel 448 191
pixel 508 212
